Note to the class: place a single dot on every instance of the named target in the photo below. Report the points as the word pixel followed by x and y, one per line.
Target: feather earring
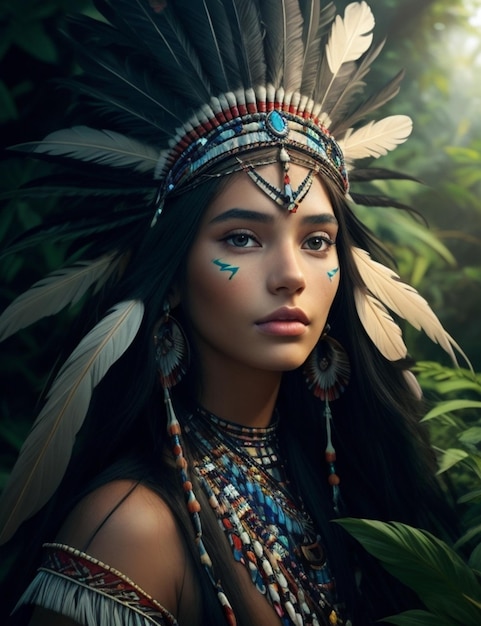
pixel 171 350
pixel 46 452
pixel 327 372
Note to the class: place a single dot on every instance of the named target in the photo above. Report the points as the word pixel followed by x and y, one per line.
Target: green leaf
pixel 468 497
pixel 465 156
pixel 32 38
pixel 473 532
pixel 27 216
pixel 450 458
pixel 441 579
pixel 417 618
pixel 471 435
pixel 475 558
pixel 458 385
pixel 451 405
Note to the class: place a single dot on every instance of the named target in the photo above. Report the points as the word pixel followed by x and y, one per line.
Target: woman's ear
pixel 173 295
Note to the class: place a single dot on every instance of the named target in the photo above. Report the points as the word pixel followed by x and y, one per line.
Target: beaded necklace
pixel 240 470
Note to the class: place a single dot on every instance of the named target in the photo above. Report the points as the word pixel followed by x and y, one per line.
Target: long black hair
pixel 384 459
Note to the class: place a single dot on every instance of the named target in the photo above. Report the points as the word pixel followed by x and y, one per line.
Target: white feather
pixel 46 452
pixel 349 39
pixel 376 138
pixel 51 294
pixel 403 300
pixel 350 36
pixel 105 147
pixel 380 326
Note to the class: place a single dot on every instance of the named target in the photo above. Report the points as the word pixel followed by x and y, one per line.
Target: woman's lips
pixel 282 328
pixel 286 322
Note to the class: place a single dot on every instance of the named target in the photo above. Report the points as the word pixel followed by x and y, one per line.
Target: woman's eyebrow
pixel 258 216
pixel 246 214
pixel 321 218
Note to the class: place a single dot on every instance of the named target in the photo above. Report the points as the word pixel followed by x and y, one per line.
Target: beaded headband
pixel 236 123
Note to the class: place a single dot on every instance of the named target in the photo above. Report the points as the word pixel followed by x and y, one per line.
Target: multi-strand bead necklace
pixel 269 532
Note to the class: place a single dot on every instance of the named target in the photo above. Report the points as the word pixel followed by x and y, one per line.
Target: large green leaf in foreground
pixel 445 584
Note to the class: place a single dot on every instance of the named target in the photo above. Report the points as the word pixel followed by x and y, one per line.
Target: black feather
pixel 372 200
pixel 245 24
pixel 125 77
pixel 208 28
pixel 316 24
pixel 352 86
pixel 283 44
pixel 163 37
pixel 370 174
pixel 389 91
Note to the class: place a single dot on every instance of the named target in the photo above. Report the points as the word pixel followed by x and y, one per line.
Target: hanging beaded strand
pixel 330 456
pixel 193 506
pixel 327 373
pixel 171 355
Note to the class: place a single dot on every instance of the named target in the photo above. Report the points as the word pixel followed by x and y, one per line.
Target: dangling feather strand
pixel 403 300
pixel 380 326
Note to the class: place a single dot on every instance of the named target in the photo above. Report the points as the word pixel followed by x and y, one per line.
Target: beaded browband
pixel 240 122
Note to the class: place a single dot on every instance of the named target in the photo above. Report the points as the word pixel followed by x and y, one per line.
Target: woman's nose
pixel 285 271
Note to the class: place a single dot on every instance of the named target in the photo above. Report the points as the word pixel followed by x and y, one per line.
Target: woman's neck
pixel 242 396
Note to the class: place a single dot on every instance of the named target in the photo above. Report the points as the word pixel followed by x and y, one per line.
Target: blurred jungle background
pixel 438 43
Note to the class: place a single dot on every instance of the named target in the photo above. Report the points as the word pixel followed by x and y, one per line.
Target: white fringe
pixel 85 605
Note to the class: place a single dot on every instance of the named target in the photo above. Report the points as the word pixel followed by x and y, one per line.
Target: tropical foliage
pixel 438 43
pixel 447 579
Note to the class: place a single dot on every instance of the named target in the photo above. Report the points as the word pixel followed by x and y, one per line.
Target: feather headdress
pixel 179 87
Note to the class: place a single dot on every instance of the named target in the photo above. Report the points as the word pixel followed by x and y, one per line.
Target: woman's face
pixel 259 280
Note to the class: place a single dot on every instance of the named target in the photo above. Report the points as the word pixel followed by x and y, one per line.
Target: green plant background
pixel 439 45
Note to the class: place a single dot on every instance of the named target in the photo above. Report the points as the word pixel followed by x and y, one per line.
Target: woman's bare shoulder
pixel 129 527
pixel 121 506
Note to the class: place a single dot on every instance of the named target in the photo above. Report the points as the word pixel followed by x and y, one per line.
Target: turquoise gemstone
pixel 276 124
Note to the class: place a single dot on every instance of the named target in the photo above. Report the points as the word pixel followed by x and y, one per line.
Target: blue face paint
pixel 225 267
pixel 332 273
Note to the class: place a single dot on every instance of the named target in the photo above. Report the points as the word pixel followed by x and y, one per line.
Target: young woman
pixel 184 469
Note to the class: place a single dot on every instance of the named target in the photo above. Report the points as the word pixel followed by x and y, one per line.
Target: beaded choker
pixel 267 528
pixel 259 444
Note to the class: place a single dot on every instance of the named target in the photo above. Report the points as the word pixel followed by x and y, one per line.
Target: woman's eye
pixel 318 242
pixel 241 240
